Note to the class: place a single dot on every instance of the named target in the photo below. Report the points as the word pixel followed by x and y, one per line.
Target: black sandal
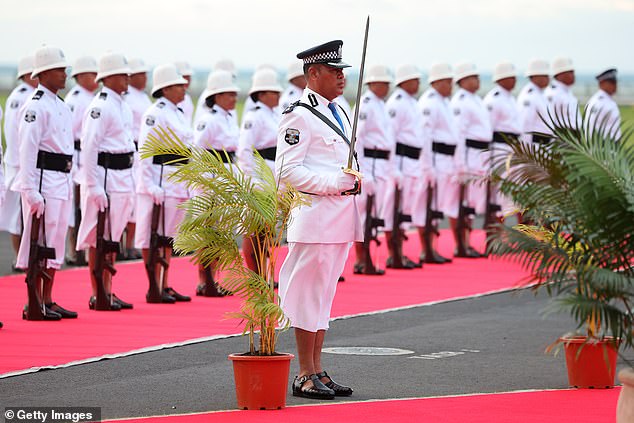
pixel 340 390
pixel 318 390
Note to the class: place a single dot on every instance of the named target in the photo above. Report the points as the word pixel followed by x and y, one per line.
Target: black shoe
pixel 66 314
pixel 178 297
pixel 412 263
pixel 317 391
pixel 340 390
pixel 341 279
pixel 133 254
pixel 470 253
pixel 122 304
pixel 209 290
pixel 359 269
pixel 436 258
pixel 17 270
pixel 389 263
pixel 92 304
pixel 162 298
pixel 1 325
pixel 48 314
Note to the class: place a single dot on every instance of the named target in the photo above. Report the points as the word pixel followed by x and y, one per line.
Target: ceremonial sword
pixel 355 121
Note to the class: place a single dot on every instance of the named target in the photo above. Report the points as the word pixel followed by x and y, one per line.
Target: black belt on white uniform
pixel 136 145
pixel 442 148
pixel 54 161
pixel 541 139
pixel 169 159
pixel 268 153
pixel 501 137
pixel 480 145
pixel 407 151
pixel 376 154
pixel 78 145
pixel 116 161
pixel 223 156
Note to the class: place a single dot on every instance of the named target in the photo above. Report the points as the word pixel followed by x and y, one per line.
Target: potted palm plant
pixel 577 197
pixel 230 205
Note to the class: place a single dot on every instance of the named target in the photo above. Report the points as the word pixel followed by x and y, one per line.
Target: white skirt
pixel 121 204
pixel 172 218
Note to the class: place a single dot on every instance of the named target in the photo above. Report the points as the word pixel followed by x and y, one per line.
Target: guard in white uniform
pixel 250 103
pixel 201 107
pixel 217 131
pixel 108 182
pixel 563 106
pixel 153 186
pixel 445 145
pixel 602 113
pixel 474 126
pixel 187 105
pixel 311 158
pixel 84 71
pixel 139 102
pixel 296 84
pixel 533 105
pixel 259 133
pixel 44 178
pixel 11 209
pixel 505 121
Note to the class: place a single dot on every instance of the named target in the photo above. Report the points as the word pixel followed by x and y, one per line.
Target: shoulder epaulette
pixel 103 96
pixel 430 94
pixel 530 90
pixel 398 96
pixel 257 108
pixel 75 92
pixel 38 94
pixel 366 99
pixel 461 96
pixel 214 111
pixel 496 93
pixel 160 104
pixel 21 90
pixel 290 107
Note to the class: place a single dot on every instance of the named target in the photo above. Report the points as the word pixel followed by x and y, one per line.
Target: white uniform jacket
pixel 107 128
pixel 165 114
pixel 78 99
pixel 12 119
pixel 291 94
pixel 503 111
pixel 139 102
pixel 187 105
pixel 407 125
pixel 218 130
pixel 602 111
pixel 311 156
pixel 259 131
pixel 46 125
pixel 533 109
pixel 562 104
pixel 474 126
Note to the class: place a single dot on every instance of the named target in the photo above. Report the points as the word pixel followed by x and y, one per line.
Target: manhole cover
pixel 366 351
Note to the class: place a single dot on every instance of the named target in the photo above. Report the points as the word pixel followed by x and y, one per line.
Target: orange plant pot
pixel 592 367
pixel 261 381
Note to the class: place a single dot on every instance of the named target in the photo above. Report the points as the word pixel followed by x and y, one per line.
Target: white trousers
pixel 56 214
pixel 172 218
pixel 308 282
pixel 120 207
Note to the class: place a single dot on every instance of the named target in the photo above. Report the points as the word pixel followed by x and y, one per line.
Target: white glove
pixel 97 195
pixel 398 179
pixel 158 194
pixel 369 186
pixel 35 201
pixel 345 182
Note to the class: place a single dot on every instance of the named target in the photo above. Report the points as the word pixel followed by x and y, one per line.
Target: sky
pixel 596 34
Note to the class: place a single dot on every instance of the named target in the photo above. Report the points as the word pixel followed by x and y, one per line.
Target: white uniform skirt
pixel 383 207
pixel 56 214
pixel 11 209
pixel 308 282
pixel 121 204
pixel 144 206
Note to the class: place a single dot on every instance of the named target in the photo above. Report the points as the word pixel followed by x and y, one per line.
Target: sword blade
pixel 353 139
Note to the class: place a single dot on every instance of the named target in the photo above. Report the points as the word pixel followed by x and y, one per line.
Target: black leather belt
pixel 136 145
pixel 376 154
pixel 54 161
pixel 117 161
pixel 169 159
pixel 268 153
pixel 480 145
pixel 442 148
pixel 407 151
pixel 541 139
pixel 223 156
pixel 501 137
pixel 78 145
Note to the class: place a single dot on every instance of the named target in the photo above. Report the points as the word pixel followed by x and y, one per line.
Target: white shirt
pixel 407 124
pixel 602 111
pixel 310 156
pixel 374 131
pixel 187 105
pixel 472 120
pixel 78 99
pixel 291 94
pixel 503 111
pixel 46 125
pixel 139 102
pixel 259 131
pixel 12 118
pixel 107 128
pixel 562 104
pixel 533 107
pixel 165 114
pixel 218 130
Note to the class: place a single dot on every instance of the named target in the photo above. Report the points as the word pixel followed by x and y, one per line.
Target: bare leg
pixel 306 352
pixel 129 238
pixel 388 240
pixel 15 242
pixel 48 286
pixel 319 343
pixel 359 253
pixel 92 258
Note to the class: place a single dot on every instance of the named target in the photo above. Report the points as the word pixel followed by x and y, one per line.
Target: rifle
pixel 430 229
pixel 369 232
pixel 38 254
pixel 103 261
pixel 155 293
pixel 461 224
pixel 80 259
pixel 397 236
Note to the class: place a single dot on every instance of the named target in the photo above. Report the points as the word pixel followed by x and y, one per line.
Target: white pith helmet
pixel 47 58
pixel 465 69
pixel 25 66
pixel 439 71
pixel 265 80
pixel 561 65
pixel 112 64
pixel 377 73
pixel 137 66
pixel 84 64
pixel 504 70
pixel 405 73
pixel 295 69
pixel 220 81
pixel 184 68
pixel 537 67
pixel 165 76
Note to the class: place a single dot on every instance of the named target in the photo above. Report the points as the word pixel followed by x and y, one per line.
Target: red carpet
pixel 578 406
pixel 25 344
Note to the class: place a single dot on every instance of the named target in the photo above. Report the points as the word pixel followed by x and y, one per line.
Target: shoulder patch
pixel 21 90
pixel 150 121
pixel 38 94
pixel 29 116
pixel 95 113
pixel 392 113
pixel 248 125
pixel 292 136
pixel 14 104
pixel 160 104
pixel 201 126
pixel 103 96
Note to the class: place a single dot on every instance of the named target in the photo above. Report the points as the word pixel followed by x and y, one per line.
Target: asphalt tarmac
pixel 482 345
